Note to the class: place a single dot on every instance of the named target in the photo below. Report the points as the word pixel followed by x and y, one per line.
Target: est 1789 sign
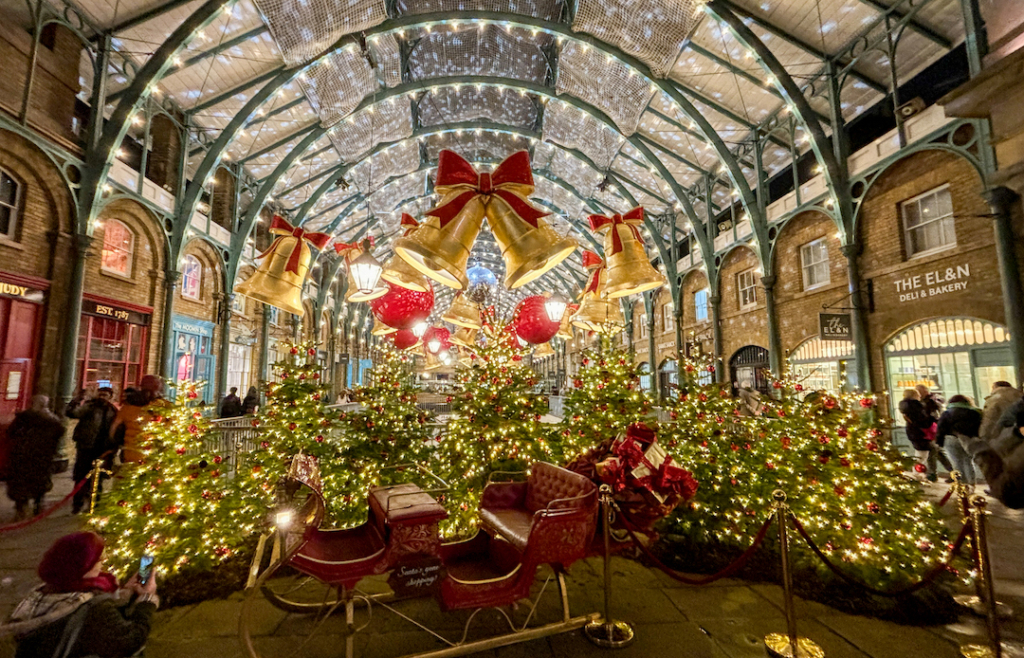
pixel 835 326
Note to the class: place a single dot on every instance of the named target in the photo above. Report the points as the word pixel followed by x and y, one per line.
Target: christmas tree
pixel 390 431
pixel 843 482
pixel 177 504
pixel 295 419
pixel 604 400
pixel 496 427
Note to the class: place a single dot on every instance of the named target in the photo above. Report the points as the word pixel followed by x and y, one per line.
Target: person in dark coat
pixel 34 438
pixel 92 439
pixel 231 406
pixel 1001 461
pixel 960 419
pixel 76 595
pixel 931 402
pixel 251 402
pixel 921 432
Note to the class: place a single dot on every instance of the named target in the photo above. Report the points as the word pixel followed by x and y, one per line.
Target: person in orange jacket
pixel 140 406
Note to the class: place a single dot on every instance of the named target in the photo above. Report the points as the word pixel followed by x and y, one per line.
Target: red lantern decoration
pixel 531 321
pixel 404 339
pixel 402 308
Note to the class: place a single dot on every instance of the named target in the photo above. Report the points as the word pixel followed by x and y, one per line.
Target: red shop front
pixel 22 299
pixel 112 344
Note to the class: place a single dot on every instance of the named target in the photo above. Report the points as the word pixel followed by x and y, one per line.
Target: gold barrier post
pixel 973 602
pixel 789 645
pixel 97 472
pixel 987 588
pixel 608 633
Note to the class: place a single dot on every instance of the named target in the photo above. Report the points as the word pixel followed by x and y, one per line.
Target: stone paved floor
pixel 725 620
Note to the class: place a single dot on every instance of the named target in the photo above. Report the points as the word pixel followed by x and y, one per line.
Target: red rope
pixel 930 576
pixel 49 510
pixel 675 575
pixel 945 499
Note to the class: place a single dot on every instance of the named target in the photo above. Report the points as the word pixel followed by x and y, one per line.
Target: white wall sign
pixel 933 284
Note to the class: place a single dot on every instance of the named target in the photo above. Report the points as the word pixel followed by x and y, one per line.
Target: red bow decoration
pixel 630 451
pixel 632 219
pixel 341 247
pixel 672 478
pixel 592 261
pixel 613 474
pixel 510 181
pixel 409 223
pixel 281 228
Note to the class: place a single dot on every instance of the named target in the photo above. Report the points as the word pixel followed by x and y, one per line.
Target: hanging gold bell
pixel 399 272
pixel 463 312
pixel 629 269
pixel 465 337
pixel 596 312
pixel 433 362
pixel 543 350
pixel 528 251
pixel 381 329
pixel 272 283
pixel 565 327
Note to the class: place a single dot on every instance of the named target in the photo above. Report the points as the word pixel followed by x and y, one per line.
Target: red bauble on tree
pixel 531 322
pixel 402 308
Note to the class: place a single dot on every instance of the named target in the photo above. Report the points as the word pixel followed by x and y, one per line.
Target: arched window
pixel 191 277
pixel 118 248
pixel 10 198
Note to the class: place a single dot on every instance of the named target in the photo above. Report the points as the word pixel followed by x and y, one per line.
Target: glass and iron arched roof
pixel 336 111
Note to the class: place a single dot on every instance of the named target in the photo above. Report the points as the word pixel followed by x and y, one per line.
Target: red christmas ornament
pixel 192 429
pixel 531 322
pixel 146 509
pixel 776 384
pixel 197 415
pixel 171 510
pixel 402 308
pixel 842 432
pixel 192 395
pixel 311 351
pixel 770 466
pixel 319 438
pixel 122 503
pixel 844 462
pixel 866 402
pixel 294 351
pixel 292 426
pixel 798 387
pixel 874 508
pixel 871 445
pixel 180 451
pixel 217 459
pixel 920 468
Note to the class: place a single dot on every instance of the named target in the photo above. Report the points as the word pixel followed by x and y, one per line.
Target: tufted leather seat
pixel 514 510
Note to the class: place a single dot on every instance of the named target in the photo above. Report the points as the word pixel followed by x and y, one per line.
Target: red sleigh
pixel 547 520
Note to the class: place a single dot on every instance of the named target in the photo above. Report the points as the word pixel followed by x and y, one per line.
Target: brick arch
pixel 210 258
pixel 44 193
pixel 143 223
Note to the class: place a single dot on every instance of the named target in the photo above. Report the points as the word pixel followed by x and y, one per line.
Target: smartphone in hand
pixel 145 568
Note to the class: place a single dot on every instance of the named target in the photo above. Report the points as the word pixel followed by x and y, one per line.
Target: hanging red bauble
pixel 402 308
pixel 439 334
pixel 403 339
pixel 531 322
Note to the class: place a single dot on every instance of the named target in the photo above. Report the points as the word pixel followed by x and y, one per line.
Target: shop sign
pixel 667 345
pixel 835 326
pixel 114 312
pixel 21 292
pixel 197 327
pixel 934 283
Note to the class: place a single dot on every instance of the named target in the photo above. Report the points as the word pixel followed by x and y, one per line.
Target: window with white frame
pixel 746 286
pixel 814 263
pixel 667 321
pixel 275 315
pixel 643 325
pixel 118 248
pixel 238 304
pixel 239 366
pixel 10 198
pixel 928 222
pixel 700 304
pixel 191 277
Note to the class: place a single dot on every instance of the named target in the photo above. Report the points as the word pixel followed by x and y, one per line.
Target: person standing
pixel 921 432
pixel 139 408
pixel 997 404
pixel 92 439
pixel 960 420
pixel 231 406
pixel 1001 461
pixel 932 403
pixel 34 438
pixel 251 402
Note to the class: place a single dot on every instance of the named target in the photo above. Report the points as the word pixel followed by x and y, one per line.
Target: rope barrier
pixel 928 578
pixel 49 510
pixel 675 575
pixel 945 499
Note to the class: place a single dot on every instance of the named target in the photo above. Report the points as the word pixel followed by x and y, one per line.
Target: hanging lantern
pixel 403 308
pixel 365 270
pixel 352 252
pixel 437 339
pixel 531 322
pixel 555 307
pixel 565 326
pixel 278 281
pixel 419 329
pixel 596 312
pixel 465 337
pixel 463 312
pixel 381 329
pixel 401 273
pixel 404 339
pixel 629 270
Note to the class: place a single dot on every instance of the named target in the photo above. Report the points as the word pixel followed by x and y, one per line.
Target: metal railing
pixel 232 437
pixel 556 406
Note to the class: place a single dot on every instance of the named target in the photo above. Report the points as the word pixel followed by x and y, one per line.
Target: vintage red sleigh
pixel 548 520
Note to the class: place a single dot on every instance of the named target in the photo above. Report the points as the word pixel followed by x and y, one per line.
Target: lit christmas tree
pixel 604 400
pixel 177 505
pixel 843 483
pixel 295 419
pixel 496 427
pixel 391 430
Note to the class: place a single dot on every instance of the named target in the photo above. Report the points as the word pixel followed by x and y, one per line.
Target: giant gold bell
pixel 463 313
pixel 381 329
pixel 433 362
pixel 597 312
pixel 401 273
pixel 629 270
pixel 465 337
pixel 272 284
pixel 528 252
pixel 565 326
pixel 441 252
pixel 543 350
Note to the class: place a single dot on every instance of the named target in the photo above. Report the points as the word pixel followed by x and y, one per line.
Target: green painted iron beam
pixel 915 25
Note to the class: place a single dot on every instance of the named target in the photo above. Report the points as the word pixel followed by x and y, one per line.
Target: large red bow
pixel 592 261
pixel 281 228
pixel 632 219
pixel 342 247
pixel 510 181
pixel 409 223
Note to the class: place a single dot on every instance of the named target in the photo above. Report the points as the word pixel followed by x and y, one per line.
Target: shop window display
pixel 110 353
pixel 118 248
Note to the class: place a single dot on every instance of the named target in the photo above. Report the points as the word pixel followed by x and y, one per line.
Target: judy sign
pixel 934 283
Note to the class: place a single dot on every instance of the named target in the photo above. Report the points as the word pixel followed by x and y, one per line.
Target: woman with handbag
pixel 79 610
